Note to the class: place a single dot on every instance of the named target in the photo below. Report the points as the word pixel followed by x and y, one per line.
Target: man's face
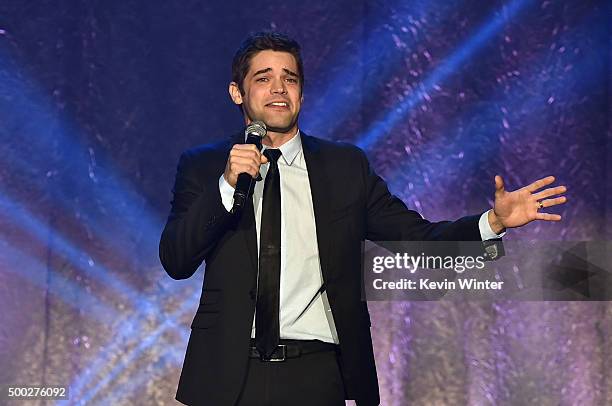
pixel 272 91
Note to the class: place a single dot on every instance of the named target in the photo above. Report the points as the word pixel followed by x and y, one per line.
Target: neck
pixel 275 140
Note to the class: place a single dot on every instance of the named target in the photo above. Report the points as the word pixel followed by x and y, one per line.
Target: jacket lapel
pixel 318 175
pixel 246 222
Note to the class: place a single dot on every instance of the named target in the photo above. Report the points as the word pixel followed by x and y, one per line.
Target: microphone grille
pixel 256 128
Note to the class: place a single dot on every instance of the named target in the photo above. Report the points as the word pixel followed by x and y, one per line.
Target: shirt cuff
pixel 486 232
pixel 227 193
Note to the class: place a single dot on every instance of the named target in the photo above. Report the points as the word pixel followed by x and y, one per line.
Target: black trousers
pixel 308 380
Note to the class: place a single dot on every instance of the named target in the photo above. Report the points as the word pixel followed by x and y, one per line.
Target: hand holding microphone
pixel 243 164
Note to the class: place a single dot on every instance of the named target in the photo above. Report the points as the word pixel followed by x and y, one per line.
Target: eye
pixel 263 79
pixel 292 80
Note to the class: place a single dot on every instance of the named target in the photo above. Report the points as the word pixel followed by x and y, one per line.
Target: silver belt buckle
pixel 283 356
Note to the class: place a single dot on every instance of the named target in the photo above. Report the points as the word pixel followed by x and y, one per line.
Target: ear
pixel 234 93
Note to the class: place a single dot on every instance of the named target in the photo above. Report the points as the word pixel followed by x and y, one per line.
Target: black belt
pixel 292 349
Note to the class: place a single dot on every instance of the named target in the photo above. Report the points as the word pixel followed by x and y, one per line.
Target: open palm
pixel 522 206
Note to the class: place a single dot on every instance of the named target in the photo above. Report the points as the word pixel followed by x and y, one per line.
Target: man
pixel 281 321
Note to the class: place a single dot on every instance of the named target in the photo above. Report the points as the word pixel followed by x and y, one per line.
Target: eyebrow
pixel 290 73
pixel 266 70
pixel 259 72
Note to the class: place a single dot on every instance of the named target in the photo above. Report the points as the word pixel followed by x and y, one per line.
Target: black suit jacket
pixel 351 204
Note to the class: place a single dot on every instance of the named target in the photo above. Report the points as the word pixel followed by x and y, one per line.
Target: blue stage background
pixel 98 100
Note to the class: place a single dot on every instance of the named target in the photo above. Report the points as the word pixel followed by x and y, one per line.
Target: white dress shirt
pixel 304 310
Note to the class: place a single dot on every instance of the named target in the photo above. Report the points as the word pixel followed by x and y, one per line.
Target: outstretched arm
pixel 388 218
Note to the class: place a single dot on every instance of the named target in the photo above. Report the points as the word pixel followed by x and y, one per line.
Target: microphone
pixel 254 134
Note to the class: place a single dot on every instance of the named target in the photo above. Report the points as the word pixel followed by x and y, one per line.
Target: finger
pixel 247 147
pixel 238 160
pixel 236 167
pixel 264 159
pixel 540 183
pixel 549 192
pixel 251 170
pixel 245 153
pixel 499 184
pixel 548 217
pixel 250 160
pixel 554 202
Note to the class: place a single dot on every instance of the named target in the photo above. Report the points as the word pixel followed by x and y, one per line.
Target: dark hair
pixel 262 41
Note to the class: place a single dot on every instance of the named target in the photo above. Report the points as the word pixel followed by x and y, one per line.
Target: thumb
pixel 499 184
pixel 264 159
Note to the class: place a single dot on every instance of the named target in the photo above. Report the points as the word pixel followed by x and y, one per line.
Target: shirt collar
pixel 290 149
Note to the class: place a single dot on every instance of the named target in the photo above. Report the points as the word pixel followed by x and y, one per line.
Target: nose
pixel 278 87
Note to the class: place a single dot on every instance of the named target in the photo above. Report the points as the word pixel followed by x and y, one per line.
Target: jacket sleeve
pixel 388 218
pixel 197 219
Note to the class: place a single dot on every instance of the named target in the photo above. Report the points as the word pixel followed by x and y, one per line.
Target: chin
pixel 279 126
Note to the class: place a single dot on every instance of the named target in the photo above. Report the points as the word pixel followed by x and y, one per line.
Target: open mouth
pixel 278 105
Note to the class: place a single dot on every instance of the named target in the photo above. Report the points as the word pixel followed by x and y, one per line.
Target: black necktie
pixel 267 329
